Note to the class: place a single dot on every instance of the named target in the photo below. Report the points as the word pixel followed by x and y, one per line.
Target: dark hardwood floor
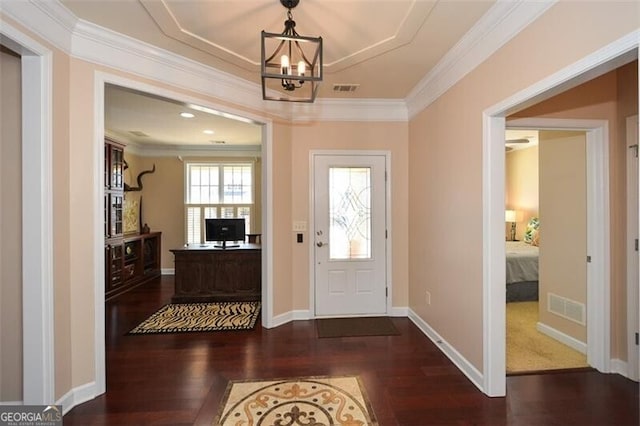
pixel 176 379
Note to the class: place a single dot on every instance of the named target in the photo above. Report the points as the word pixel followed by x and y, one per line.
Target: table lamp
pixel 510 216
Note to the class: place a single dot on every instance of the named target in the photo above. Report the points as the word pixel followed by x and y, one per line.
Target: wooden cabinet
pixel 211 274
pixel 113 189
pixel 130 260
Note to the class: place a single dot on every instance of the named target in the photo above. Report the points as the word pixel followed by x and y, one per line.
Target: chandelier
pixel 293 71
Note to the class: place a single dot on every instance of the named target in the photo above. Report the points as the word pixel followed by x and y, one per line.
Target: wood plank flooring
pixel 179 379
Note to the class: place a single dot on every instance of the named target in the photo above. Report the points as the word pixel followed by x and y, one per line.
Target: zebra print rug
pixel 215 316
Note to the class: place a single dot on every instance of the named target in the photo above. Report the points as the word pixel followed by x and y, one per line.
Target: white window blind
pixel 217 190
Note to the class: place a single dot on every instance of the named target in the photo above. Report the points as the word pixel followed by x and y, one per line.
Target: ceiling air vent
pixel 345 87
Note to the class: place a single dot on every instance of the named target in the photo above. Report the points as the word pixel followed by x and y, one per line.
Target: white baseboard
pixel 562 338
pixel 402 312
pixel 11 402
pixel 77 396
pixel 167 271
pixel 621 367
pixel 306 314
pixel 298 315
pixel 456 357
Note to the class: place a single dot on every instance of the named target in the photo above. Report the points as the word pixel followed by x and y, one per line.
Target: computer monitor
pixel 223 230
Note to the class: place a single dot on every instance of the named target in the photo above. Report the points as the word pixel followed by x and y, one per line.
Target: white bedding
pixel 522 262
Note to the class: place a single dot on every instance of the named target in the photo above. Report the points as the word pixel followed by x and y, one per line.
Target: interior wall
pixel 521 187
pixel 445 163
pixel 391 137
pixel 611 97
pixel 626 106
pixel 563 226
pixel 10 227
pixel 282 216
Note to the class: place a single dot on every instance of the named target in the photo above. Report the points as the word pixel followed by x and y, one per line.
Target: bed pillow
pixel 532 228
pixel 535 241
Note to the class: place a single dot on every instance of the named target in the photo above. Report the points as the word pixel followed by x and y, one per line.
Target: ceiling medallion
pixel 293 71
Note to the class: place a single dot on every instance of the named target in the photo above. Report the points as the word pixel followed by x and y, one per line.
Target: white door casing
pixel 633 275
pixel 349 234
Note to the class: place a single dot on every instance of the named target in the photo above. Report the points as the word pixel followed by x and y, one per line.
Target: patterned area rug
pixel 181 317
pixel 303 401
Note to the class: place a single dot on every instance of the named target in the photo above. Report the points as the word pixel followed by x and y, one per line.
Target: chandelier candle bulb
pixel 284 64
pixel 301 68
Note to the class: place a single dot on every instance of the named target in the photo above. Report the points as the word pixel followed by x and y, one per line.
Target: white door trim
pixel 312 231
pixel 609 57
pixel 37 220
pixel 598 246
pixel 37 217
pixel 102 78
pixel 633 293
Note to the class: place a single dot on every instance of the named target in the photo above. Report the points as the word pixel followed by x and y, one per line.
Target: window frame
pixel 221 164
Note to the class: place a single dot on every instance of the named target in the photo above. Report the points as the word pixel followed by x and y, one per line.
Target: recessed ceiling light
pixel 186 115
pixel 208 132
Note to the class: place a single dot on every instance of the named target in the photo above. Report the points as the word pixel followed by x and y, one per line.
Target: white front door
pixel 349 234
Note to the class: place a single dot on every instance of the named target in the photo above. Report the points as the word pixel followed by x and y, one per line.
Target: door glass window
pixel 349 213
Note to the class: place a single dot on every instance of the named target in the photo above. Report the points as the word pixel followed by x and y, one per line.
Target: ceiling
pixel 144 119
pixel 516 139
pixel 385 47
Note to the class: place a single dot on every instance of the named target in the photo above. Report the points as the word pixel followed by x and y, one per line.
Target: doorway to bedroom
pixel 546 250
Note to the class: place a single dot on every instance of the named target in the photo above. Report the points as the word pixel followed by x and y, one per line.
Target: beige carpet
pixel 299 401
pixel 530 350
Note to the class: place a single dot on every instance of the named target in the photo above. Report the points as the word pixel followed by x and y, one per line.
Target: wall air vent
pixel 345 87
pixel 566 308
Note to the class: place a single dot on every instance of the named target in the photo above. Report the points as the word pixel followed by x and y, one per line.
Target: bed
pixel 522 271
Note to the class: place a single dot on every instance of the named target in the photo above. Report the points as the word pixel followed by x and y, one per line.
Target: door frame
pixel 102 78
pixel 388 221
pixel 598 229
pixel 607 58
pixel 633 293
pixel 38 327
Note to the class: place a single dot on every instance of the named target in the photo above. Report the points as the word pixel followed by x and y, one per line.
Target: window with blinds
pixel 217 190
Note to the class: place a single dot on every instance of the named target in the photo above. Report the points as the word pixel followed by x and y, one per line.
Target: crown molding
pixel 180 151
pixel 49 20
pixel 503 21
pixel 52 21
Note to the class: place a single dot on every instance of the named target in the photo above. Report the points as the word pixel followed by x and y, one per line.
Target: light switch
pixel 299 226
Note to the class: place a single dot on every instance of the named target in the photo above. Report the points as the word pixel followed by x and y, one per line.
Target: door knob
pixel 320 244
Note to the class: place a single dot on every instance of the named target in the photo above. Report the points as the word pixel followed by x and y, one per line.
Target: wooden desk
pixel 208 274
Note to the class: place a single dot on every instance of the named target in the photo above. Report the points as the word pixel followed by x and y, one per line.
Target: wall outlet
pixel 427 297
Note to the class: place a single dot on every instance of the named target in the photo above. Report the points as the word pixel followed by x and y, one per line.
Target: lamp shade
pixel 510 216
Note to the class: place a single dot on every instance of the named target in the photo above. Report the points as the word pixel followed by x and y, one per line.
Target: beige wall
pixel 563 226
pixel 282 214
pixel 10 228
pixel 521 186
pixel 390 137
pixel 627 106
pixel 611 97
pixel 445 163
